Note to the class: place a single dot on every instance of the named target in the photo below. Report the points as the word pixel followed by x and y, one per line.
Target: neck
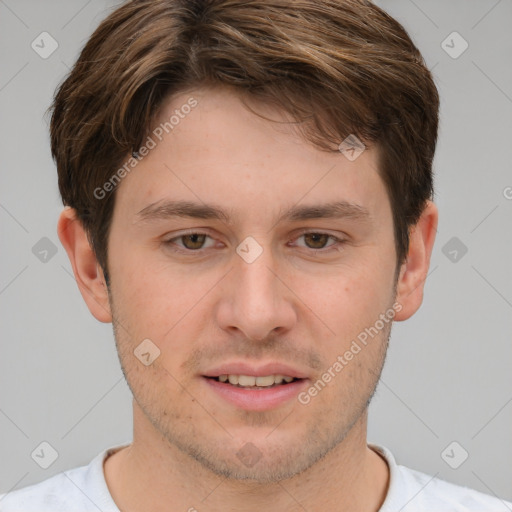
pixel 152 474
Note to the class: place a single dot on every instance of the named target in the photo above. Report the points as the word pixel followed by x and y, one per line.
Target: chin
pixel 264 465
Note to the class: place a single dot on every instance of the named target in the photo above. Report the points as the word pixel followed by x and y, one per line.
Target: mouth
pixel 253 382
pixel 255 389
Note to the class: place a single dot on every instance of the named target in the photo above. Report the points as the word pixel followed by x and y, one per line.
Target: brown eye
pixel 193 241
pixel 316 240
pixel 319 242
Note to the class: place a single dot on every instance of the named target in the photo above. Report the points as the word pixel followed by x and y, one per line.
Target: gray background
pixel 447 376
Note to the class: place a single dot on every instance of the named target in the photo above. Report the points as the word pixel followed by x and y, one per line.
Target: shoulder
pixel 79 489
pixel 426 492
pixel 411 490
pixel 55 494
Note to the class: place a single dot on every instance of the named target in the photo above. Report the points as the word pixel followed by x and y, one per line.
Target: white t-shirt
pixel 84 489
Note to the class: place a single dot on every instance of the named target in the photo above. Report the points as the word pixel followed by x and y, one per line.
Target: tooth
pixel 265 381
pixel 245 380
pixel 251 381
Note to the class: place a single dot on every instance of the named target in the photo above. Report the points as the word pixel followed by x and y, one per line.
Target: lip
pixel 244 368
pixel 256 399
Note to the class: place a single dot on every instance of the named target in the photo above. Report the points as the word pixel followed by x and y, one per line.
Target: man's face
pixel 248 291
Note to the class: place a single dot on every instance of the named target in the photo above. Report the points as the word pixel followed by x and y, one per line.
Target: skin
pixel 292 304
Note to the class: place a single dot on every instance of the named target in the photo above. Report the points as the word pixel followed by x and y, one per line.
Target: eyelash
pixel 171 245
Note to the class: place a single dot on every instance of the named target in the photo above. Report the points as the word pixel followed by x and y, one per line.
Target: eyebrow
pixel 164 210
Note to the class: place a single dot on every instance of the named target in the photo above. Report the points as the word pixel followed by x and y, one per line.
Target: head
pixel 242 106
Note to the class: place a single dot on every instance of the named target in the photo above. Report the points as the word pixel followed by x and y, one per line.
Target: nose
pixel 256 300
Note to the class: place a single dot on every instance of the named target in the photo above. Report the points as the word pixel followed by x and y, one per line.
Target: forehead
pixel 218 152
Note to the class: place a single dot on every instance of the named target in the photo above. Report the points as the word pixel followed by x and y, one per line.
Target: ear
pixel 88 273
pixel 415 268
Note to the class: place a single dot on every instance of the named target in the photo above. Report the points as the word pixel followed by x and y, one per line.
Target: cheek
pixel 158 302
pixel 148 285
pixel 352 300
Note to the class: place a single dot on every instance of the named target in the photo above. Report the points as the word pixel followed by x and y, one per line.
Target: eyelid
pixel 191 231
pixel 319 231
pixel 339 239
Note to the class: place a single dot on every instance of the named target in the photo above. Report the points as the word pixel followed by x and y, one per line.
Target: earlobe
pixel 414 270
pixel 87 271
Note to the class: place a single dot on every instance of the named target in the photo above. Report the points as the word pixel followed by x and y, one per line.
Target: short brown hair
pixel 344 66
